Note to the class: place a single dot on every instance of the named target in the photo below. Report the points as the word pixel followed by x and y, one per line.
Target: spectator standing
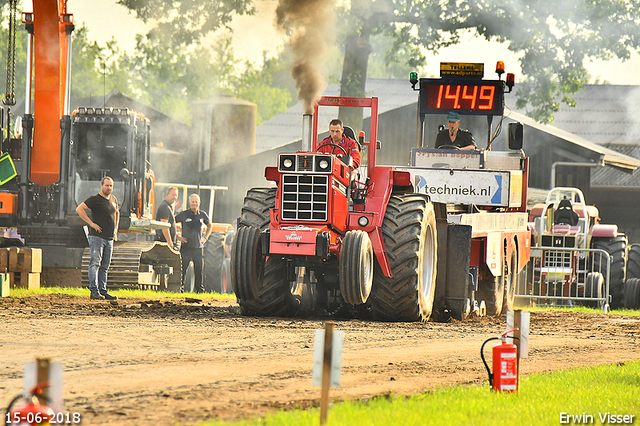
pixel 103 230
pixel 192 240
pixel 165 213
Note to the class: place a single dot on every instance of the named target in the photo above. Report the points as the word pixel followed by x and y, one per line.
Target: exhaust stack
pixel 307 132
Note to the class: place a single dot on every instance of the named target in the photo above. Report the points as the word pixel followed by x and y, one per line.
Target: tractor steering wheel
pixel 449 147
pixel 333 149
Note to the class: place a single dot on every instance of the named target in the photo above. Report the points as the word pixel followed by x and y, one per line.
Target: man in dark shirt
pixel 165 214
pixel 192 241
pixel 455 136
pixel 103 230
pixel 337 137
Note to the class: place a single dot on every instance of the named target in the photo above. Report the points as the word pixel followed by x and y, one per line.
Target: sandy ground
pixel 165 363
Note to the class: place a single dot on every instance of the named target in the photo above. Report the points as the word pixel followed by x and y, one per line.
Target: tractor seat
pixel 565 214
pixel 348 131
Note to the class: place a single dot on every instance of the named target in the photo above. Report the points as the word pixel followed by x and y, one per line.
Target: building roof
pixel 609 157
pixel 603 114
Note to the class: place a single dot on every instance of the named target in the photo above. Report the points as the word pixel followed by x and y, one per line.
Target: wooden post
pixel 326 371
pixel 42 377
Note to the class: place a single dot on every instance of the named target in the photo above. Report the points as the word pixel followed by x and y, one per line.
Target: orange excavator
pixel 61 157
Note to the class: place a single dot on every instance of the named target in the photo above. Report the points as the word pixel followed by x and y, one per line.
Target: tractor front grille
pixel 305 197
pixel 305 163
pixel 557 259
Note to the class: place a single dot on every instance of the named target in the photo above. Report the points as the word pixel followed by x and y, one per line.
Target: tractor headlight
pixel 287 163
pixel 322 163
pixel 363 221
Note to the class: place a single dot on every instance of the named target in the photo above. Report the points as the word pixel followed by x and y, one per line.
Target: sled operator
pixel 454 135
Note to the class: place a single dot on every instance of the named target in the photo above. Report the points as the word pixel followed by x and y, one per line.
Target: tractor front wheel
pixel 356 267
pixel 594 287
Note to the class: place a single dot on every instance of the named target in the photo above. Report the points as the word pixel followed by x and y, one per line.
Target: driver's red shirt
pixel 349 145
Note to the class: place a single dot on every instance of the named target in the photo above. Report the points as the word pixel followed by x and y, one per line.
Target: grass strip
pixel 592 395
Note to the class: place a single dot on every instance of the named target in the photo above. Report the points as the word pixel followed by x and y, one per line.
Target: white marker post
pixel 327 364
pixel 519 320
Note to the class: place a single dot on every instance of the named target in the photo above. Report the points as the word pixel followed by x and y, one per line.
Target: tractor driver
pixel 453 135
pixel 338 137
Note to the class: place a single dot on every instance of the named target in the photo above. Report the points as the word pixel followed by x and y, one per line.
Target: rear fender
pixel 379 251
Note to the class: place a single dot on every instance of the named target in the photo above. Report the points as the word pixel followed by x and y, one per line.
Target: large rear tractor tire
pixel 356 267
pixel 189 280
pixel 260 284
pixel 492 291
pixel 225 276
pixel 410 239
pixel 633 262
pixel 272 292
pixel 257 203
pixel 617 249
pixel 632 293
pixel 247 265
pixel 214 257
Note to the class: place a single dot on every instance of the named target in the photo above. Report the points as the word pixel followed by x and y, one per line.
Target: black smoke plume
pixel 310 25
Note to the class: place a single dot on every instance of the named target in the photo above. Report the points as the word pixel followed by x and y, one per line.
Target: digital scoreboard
pixel 470 96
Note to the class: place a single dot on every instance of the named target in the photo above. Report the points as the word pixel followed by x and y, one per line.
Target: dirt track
pixel 162 363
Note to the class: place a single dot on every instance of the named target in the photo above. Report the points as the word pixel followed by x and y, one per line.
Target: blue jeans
pixel 100 250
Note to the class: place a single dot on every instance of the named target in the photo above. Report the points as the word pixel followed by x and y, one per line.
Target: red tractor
pixel 568 263
pixel 329 239
pixel 323 224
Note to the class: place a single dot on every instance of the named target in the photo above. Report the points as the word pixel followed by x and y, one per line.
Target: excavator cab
pixel 111 142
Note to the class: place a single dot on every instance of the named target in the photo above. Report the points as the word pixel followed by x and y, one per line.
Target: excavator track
pixel 146 265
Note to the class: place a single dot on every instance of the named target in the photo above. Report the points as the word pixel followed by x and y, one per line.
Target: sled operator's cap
pixel 453 116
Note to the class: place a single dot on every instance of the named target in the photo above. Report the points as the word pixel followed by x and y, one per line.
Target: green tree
pixel 553 39
pixel 256 85
pixel 185 23
pixel 18 74
pixel 170 79
pixel 87 66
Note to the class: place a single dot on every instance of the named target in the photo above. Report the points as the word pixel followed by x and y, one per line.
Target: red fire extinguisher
pixel 33 413
pixel 505 364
